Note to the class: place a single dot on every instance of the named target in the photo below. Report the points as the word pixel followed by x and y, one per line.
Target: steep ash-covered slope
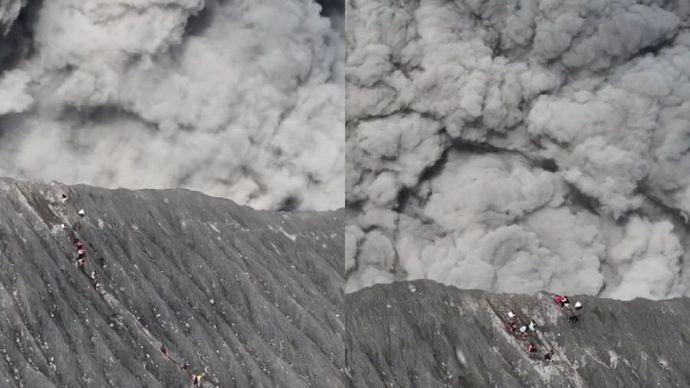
pixel 252 298
pixel 423 334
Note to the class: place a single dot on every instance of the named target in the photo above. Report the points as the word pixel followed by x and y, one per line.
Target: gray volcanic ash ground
pixel 423 334
pixel 251 298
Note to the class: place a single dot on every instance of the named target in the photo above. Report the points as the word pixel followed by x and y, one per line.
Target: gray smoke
pixel 332 8
pixel 241 99
pixel 520 145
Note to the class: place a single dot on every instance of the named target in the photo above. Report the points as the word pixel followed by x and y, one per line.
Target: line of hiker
pixel 527 330
pixel 93 276
pixel 196 376
pixel 573 311
pixel 80 247
pixel 523 331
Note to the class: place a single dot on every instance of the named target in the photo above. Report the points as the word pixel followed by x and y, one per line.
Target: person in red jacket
pixel 560 300
pixel 531 348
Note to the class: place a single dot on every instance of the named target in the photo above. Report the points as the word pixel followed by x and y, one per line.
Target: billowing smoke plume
pixel 520 145
pixel 242 99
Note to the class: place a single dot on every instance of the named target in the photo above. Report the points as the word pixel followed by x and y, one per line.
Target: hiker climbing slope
pixel 111 300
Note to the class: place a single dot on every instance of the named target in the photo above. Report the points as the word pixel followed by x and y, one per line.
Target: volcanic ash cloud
pixel 243 99
pixel 519 146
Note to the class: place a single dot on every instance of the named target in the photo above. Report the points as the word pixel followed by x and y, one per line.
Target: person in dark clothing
pixel 94 281
pixel 573 319
pixel 548 355
pixel 164 350
pixel 185 365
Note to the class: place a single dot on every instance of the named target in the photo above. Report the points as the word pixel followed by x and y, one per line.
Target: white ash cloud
pixel 520 146
pixel 241 99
